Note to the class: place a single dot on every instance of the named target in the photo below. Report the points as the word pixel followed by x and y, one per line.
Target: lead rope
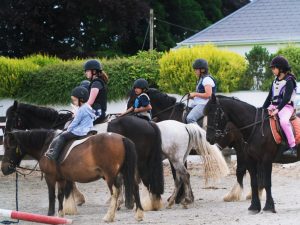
pixel 17 204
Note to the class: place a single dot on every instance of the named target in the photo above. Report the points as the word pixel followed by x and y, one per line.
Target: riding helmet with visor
pixel 81 93
pixel 141 83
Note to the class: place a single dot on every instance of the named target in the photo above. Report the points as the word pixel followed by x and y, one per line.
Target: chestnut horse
pixel 109 156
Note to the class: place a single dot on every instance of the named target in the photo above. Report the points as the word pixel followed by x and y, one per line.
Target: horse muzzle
pixel 7 168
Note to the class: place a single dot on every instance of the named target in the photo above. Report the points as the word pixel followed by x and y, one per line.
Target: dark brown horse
pixel 109 156
pixel 260 149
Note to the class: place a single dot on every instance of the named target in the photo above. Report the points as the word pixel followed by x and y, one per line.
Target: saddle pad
pixel 74 144
pixel 275 127
pixel 274 130
pixel 296 128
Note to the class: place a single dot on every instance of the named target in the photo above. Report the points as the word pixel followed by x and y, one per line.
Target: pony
pixel 176 140
pixel 147 139
pixel 109 156
pixel 259 148
pixel 165 107
pixel 25 116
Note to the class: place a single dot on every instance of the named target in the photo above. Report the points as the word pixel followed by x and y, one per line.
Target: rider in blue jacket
pixel 80 126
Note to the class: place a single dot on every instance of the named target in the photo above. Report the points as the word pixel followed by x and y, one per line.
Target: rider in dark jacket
pixel 97 88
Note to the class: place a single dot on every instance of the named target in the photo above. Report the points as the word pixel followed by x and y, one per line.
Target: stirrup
pixel 292 152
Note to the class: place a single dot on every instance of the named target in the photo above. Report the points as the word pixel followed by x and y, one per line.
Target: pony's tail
pixel 129 170
pixel 215 165
pixel 155 165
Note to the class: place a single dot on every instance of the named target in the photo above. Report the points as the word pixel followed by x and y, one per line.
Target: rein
pixel 172 106
pixel 55 124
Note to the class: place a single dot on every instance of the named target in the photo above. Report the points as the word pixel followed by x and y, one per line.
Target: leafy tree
pixel 78 28
pixel 258 68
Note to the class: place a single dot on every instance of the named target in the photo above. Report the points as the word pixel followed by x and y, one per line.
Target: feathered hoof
pixel 249 196
pixel 170 205
pixel 139 215
pixel 108 219
pixel 231 198
pixel 61 213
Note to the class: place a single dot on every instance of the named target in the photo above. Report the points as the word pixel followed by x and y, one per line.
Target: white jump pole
pixel 33 217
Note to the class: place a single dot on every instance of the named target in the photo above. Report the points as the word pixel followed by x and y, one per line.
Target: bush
pixel 292 54
pixel 177 75
pixel 12 72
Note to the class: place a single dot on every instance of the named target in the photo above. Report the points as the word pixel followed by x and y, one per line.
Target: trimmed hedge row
pixel 178 76
pixel 53 81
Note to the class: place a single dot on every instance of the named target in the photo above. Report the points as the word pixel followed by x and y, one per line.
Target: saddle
pixel 277 131
pixel 73 143
pixel 101 120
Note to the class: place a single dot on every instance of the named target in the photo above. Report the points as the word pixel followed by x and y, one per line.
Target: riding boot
pixel 55 149
pixel 291 152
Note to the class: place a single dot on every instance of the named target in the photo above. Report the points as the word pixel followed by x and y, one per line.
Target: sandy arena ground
pixel 208 207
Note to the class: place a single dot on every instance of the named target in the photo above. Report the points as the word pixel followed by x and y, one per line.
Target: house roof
pixel 258 21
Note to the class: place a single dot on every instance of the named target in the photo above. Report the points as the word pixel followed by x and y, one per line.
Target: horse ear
pixel 213 99
pixel 15 106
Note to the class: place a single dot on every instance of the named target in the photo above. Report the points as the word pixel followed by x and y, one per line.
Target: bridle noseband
pixel 223 117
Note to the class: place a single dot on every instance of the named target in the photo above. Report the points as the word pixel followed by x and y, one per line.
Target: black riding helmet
pixel 281 63
pixel 200 64
pixel 85 83
pixel 92 64
pixel 81 93
pixel 141 83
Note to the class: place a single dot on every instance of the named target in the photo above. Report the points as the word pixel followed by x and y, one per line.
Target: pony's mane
pixel 222 97
pixel 33 138
pixel 38 111
pixel 163 100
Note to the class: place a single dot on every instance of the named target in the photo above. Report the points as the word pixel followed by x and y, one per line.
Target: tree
pixel 258 69
pixel 75 28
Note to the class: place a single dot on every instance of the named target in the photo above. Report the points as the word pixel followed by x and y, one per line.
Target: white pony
pixel 178 139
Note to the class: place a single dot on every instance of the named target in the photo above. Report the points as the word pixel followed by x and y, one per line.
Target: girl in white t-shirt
pixel 206 86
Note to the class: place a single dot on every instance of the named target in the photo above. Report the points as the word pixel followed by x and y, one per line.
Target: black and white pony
pixel 260 149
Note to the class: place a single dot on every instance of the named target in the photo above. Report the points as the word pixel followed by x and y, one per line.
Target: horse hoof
pixel 108 219
pixel 269 209
pixel 254 209
pixel 61 213
pixel 139 215
pixel 169 206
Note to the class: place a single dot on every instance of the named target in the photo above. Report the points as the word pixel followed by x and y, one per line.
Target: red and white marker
pixel 33 217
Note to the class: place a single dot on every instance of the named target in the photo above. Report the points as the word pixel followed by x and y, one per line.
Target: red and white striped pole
pixel 33 217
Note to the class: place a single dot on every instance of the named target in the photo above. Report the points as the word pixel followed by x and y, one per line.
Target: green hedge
pixel 11 73
pixel 53 82
pixel 177 74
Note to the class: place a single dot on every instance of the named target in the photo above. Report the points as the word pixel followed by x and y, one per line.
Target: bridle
pixel 219 112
